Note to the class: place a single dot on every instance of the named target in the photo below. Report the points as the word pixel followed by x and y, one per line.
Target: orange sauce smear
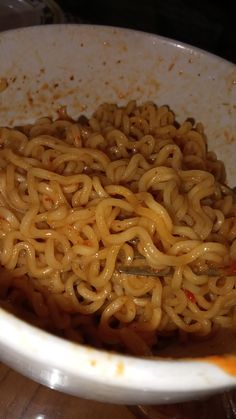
pixel 227 363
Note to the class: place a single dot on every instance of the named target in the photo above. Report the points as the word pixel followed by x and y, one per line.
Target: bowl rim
pixel 102 366
pixel 161 38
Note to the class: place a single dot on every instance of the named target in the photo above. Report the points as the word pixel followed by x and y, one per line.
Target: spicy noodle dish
pixel 117 230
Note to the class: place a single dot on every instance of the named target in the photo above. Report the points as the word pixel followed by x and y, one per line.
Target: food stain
pixel 3 84
pixel 171 66
pixel 120 368
pixel 229 138
pixel 45 86
pixel 30 99
pixel 154 83
pixel 227 363
pixel 231 80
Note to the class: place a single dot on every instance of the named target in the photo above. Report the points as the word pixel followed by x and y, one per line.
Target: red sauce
pixel 231 270
pixel 227 363
pixel 190 296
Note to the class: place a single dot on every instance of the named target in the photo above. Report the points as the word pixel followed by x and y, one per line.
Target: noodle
pixel 128 186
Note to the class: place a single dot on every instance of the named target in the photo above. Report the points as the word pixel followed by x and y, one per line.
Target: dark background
pixel 210 24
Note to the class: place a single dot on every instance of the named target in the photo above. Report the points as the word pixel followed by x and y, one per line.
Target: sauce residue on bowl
pixel 227 362
pixel 3 84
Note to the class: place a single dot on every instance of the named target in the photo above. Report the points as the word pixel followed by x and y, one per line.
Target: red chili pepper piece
pixel 231 269
pixel 190 296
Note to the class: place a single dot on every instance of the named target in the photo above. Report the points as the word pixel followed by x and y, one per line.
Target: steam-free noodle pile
pixel 129 186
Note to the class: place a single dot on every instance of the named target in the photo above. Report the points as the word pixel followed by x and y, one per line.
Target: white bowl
pixel 82 66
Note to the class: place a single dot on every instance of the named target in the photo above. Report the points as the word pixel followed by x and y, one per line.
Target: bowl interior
pixel 83 66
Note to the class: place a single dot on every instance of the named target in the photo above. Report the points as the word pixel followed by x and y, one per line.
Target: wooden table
pixel 22 398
